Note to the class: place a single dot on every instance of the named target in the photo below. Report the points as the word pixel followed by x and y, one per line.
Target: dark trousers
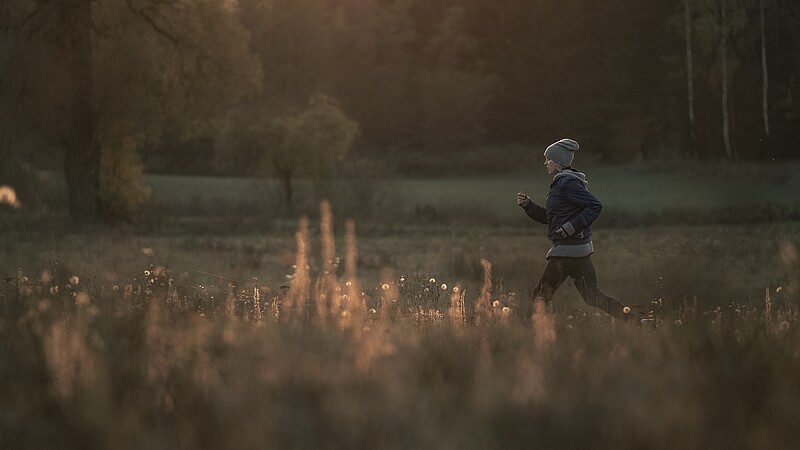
pixel 582 271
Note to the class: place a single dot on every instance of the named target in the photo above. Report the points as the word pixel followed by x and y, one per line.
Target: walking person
pixel 569 212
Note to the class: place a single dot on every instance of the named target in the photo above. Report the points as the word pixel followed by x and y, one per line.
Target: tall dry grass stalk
pixel 159 358
pixel 230 300
pixel 767 306
pixel 353 307
pixel 457 312
pixel 543 326
pixel 258 315
pixel 327 292
pixel 389 293
pixel 68 356
pixel 326 238
pixel 482 304
pixel 301 281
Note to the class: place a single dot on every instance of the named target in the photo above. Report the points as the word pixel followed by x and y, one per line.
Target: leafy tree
pixel 115 70
pixel 309 142
pixel 123 192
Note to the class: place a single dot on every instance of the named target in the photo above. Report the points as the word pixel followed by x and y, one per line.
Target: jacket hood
pixel 572 173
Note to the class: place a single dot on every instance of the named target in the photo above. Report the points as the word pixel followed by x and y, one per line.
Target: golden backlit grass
pixel 142 369
pixel 403 341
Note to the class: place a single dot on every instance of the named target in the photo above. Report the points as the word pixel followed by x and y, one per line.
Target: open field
pixel 719 264
pixel 183 334
pixel 700 193
pixel 138 341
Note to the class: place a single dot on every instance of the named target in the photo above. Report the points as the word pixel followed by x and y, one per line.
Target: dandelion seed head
pixel 74 280
pixel 444 287
pixel 678 322
pixel 495 303
pixel 626 310
pixel 9 196
pixel 506 309
pixel 432 280
pixel 779 290
pixel 349 283
pixel 385 287
pixel 455 289
pixel 147 273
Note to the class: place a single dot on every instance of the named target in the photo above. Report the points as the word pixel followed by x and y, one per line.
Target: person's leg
pixel 582 271
pixel 553 275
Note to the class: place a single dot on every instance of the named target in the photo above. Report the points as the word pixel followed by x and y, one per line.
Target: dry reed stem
pixel 543 326
pixel 353 308
pixel 230 301
pixel 389 292
pixel 767 306
pixel 327 287
pixel 457 312
pixel 327 238
pixel 482 307
pixel 301 282
pixel 68 358
pixel 258 316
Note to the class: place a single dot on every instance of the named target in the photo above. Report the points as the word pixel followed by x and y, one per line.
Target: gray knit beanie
pixel 562 151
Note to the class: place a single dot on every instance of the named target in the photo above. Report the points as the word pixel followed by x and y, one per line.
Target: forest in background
pixel 121 87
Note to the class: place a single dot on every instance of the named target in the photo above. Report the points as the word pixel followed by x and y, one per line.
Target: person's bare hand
pixel 523 200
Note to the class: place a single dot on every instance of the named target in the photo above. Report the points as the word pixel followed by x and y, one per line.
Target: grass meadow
pixel 224 325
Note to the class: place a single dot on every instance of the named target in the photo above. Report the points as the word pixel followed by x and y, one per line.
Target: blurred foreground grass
pixel 402 340
pixel 141 367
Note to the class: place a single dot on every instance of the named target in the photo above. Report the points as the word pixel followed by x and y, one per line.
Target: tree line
pixel 109 87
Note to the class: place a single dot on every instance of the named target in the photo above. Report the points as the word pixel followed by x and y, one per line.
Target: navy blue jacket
pixel 569 205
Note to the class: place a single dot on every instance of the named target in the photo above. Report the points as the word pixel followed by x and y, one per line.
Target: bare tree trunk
pixel 765 84
pixel 723 44
pixel 288 189
pixel 687 16
pixel 82 155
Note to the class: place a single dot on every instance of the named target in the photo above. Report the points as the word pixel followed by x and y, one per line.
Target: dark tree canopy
pixel 82 78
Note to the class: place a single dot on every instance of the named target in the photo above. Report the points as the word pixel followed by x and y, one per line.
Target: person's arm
pixel 533 210
pixel 589 204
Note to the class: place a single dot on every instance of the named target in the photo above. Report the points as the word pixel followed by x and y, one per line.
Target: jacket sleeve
pixel 588 204
pixel 536 212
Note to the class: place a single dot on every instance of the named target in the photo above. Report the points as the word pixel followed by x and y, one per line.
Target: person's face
pixel 552 166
